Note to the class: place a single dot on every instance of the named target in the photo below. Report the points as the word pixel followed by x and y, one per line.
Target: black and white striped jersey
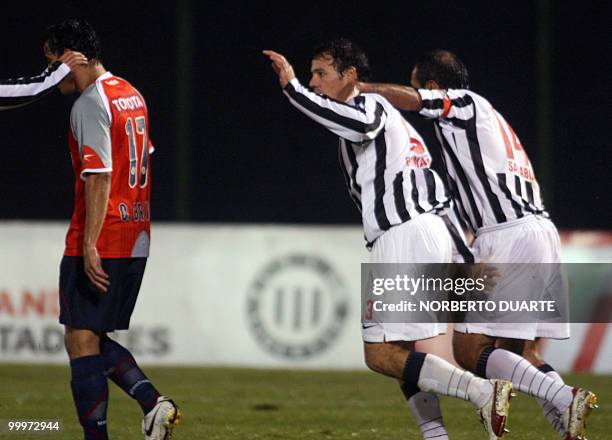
pixel 22 91
pixel 489 172
pixel 384 160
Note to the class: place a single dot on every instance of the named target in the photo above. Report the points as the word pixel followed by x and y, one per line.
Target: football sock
pixel 548 409
pixel 122 369
pixel 433 374
pixel 90 393
pixel 503 364
pixel 425 408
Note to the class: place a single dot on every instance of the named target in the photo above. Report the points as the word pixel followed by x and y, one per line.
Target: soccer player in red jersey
pixel 107 244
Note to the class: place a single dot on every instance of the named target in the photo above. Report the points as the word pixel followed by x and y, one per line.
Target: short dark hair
pixel 443 67
pixel 345 54
pixel 74 34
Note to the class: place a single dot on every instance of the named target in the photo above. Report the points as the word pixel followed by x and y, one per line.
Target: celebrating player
pixel 18 92
pixel 499 199
pixel 107 244
pixel 398 198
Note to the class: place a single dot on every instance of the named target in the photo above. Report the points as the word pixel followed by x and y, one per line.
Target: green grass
pixel 245 404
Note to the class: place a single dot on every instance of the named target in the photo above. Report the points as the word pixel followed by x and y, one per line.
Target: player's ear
pixel 432 85
pixel 350 73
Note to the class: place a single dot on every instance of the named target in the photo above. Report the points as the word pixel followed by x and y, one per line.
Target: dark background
pixel 236 151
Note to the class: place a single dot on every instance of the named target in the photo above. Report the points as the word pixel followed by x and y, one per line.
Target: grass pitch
pixel 248 404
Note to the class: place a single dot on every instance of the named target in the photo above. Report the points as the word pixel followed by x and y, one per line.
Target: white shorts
pixel 532 239
pixel 424 239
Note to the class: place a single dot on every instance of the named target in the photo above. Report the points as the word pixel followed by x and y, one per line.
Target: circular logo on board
pixel 296 306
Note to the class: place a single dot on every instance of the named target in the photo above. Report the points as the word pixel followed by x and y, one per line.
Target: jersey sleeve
pixel 356 124
pixel 18 92
pixel 90 124
pixel 451 105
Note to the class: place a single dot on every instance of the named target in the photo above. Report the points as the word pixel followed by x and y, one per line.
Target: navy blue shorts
pixel 82 306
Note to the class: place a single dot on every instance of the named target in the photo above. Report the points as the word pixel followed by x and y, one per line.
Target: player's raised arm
pixel 17 92
pixel 351 122
pixel 402 97
pixel 357 124
pixel 456 106
pixel 430 103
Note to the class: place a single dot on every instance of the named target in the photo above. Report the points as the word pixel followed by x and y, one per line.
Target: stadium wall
pixel 250 296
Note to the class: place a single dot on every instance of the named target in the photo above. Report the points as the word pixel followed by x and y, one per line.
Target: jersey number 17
pixel 140 177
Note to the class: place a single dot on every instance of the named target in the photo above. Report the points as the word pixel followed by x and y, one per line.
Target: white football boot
pixel 494 413
pixel 574 417
pixel 158 423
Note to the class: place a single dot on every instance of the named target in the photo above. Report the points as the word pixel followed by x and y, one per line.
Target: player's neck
pixel 348 93
pixel 86 77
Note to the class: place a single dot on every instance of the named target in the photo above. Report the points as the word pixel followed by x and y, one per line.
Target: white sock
pixel 503 364
pixel 548 409
pixel 425 408
pixel 443 378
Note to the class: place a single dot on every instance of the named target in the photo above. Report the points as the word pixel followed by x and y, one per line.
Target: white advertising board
pixel 232 295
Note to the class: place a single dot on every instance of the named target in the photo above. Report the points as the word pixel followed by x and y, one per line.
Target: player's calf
pixel 552 414
pixel 122 369
pixel 90 393
pixel 387 358
pixel 432 374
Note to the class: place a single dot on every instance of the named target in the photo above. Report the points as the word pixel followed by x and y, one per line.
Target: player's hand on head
pixel 94 270
pixel 281 66
pixel 73 59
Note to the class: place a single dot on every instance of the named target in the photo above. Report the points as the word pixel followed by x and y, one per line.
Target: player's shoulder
pixel 89 99
pixel 466 94
pixel 120 93
pixel 113 84
pixel 375 99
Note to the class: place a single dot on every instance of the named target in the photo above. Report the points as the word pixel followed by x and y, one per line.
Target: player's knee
pixel 514 345
pixel 378 357
pixel 467 350
pixel 81 343
pixel 463 357
pixel 461 350
pixel 374 361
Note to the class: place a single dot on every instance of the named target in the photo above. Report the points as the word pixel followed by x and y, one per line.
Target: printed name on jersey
pixel 141 212
pixel 129 103
pixel 525 172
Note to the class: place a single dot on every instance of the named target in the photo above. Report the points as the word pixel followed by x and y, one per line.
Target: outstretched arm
pixel 401 97
pixel 17 92
pixel 354 123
